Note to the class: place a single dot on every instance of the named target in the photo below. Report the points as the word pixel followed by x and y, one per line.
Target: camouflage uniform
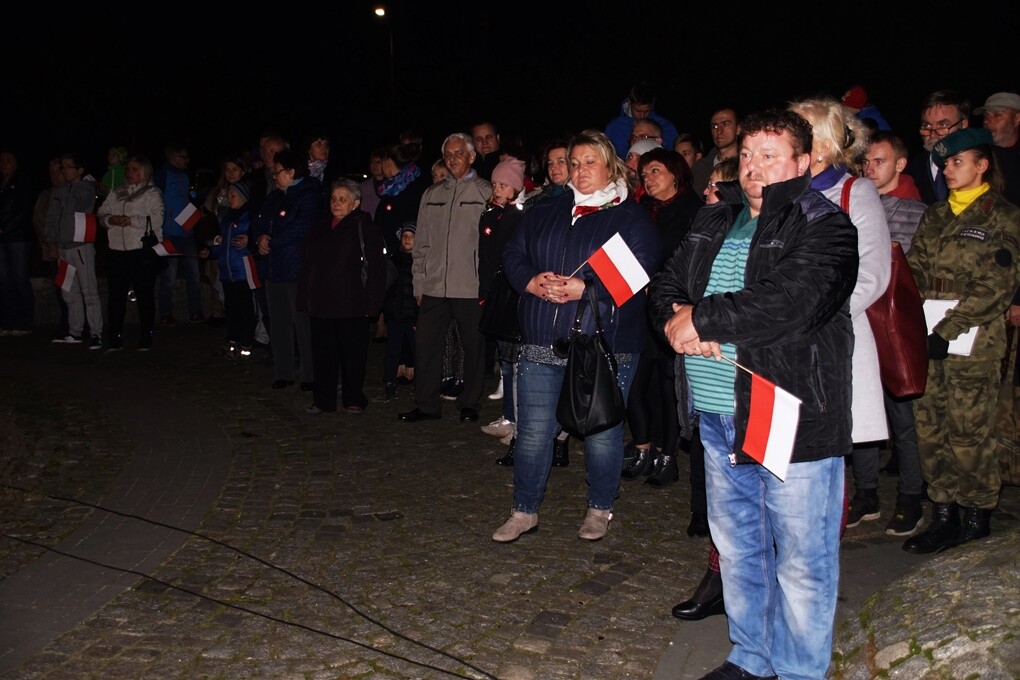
pixel 971 257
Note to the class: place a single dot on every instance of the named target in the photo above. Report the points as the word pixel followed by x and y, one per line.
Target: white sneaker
pixel 67 340
pixel 500 427
pixel 498 394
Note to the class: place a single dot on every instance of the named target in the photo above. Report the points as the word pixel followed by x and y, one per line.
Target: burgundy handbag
pixel 897 322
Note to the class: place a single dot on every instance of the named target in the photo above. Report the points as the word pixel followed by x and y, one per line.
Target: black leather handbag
pixel 499 311
pixel 591 400
pixel 150 258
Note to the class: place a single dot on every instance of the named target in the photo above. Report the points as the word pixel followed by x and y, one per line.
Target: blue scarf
pixel 394 185
pixel 828 177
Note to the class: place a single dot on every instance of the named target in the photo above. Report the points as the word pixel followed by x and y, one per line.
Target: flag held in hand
pixel 165 249
pixel 771 425
pixel 84 227
pixel 251 273
pixel 188 217
pixel 65 275
pixel 618 269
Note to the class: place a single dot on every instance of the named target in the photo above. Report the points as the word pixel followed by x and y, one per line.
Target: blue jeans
pixel 506 370
pixel 538 390
pixel 778 548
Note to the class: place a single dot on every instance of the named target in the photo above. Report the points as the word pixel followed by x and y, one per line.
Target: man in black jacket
pixel 764 279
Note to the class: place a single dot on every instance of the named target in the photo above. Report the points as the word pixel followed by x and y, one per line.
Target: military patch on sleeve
pixel 974 233
pixel 1003 257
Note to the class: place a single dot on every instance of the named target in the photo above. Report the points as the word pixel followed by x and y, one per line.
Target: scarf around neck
pixel 828 177
pixel 603 199
pixel 316 169
pixel 960 199
pixel 394 185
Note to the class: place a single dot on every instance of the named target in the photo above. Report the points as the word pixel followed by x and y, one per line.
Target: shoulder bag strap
pixel 844 197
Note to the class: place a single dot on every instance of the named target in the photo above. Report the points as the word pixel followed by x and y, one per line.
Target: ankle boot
pixel 561 452
pixel 665 471
pixel 973 527
pixel 945 524
pixel 706 601
pixel 642 465
pixel 508 459
pixel 595 525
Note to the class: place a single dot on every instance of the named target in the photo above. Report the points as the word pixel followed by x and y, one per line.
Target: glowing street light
pixel 380 11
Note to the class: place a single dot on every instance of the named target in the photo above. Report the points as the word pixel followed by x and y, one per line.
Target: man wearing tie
pixel 942 112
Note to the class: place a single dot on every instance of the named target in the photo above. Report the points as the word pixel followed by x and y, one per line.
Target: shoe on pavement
pixel 907 516
pixel 706 601
pixel 596 524
pixel 313 410
pixel 417 415
pixel 115 346
pixel 67 340
pixel 519 523
pixel 145 342
pixel 469 415
pixel 500 427
pixel 498 394
pixel 95 342
pixel 863 507
pixel 507 439
pixel 731 671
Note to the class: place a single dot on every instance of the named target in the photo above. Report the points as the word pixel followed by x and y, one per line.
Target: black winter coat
pixel 791 321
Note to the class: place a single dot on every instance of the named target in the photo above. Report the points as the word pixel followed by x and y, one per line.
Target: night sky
pixel 92 76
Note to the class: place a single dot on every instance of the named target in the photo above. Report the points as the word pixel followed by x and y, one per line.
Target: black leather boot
pixel 508 459
pixel 642 465
pixel 706 601
pixel 698 528
pixel 945 524
pixel 973 527
pixel 561 452
pixel 665 472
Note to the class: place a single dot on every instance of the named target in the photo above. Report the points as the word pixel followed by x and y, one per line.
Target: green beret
pixel 961 140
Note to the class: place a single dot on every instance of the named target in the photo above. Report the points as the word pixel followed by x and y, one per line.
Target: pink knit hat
pixel 510 171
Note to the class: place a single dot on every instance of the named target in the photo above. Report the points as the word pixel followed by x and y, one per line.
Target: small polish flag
pixel 771 425
pixel 165 249
pixel 619 270
pixel 188 217
pixel 251 273
pixel 84 227
pixel 65 275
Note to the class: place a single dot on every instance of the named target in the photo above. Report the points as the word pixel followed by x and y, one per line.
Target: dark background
pixel 91 76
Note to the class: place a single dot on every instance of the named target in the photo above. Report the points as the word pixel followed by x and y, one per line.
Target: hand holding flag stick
pixel 620 272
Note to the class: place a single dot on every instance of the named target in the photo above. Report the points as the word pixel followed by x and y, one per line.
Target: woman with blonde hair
pixel 545 262
pixel 840 139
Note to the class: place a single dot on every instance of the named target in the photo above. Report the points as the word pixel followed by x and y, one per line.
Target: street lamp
pixel 380 11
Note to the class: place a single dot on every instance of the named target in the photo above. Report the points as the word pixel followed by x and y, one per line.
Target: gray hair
pixel 350 185
pixel 466 138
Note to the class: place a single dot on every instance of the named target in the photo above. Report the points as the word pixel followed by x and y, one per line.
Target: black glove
pixel 938 347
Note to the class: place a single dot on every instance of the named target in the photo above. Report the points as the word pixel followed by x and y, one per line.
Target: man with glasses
pixel 639 105
pixel 942 112
pixel 724 127
pixel 445 273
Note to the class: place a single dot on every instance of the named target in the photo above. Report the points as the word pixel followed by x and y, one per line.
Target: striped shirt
pixel 712 382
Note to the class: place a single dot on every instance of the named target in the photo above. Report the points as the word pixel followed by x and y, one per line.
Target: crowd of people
pixel 762 253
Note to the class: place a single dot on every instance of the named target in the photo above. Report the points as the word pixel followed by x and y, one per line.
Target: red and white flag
pixel 771 425
pixel 188 217
pixel 618 269
pixel 251 273
pixel 84 227
pixel 165 249
pixel 65 275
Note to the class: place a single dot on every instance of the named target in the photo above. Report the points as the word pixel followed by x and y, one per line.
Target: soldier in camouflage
pixel 966 249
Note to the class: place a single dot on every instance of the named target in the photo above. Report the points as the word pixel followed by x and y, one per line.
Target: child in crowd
pixel 230 247
pixel 400 311
pixel 495 227
pixel 439 171
pixel 114 175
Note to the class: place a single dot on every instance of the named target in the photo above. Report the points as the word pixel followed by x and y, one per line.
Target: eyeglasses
pixel 941 128
pixel 711 185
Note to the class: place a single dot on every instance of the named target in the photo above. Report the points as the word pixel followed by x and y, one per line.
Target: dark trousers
pixel 399 348
pixel 16 285
pixel 239 309
pixel 339 355
pixel 434 317
pixel 127 271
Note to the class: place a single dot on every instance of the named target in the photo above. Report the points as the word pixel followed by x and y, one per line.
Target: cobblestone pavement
pixel 333 546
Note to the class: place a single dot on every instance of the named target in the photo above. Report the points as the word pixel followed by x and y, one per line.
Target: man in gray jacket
pixel 445 273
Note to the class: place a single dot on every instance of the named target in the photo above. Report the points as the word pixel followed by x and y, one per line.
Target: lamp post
pixel 380 11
